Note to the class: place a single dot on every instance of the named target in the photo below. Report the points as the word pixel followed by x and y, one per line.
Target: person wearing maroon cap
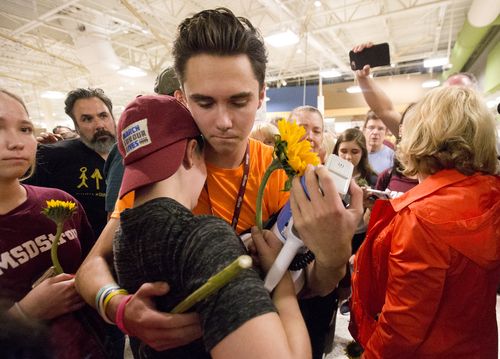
pixel 220 60
pixel 161 239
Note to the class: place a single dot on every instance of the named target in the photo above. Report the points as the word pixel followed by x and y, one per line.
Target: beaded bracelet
pixel 120 314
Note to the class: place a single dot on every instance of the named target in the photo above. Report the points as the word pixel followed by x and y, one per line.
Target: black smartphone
pixel 377 55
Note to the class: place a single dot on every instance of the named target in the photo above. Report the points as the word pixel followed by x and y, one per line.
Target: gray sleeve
pixel 213 246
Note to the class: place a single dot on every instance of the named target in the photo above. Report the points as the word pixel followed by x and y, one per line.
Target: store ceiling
pixel 59 45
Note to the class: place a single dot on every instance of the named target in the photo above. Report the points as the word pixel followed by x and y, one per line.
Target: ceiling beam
pixel 55 56
pixel 376 18
pixel 41 19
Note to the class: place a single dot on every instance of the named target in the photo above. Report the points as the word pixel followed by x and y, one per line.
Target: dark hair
pixel 80 93
pixel 357 136
pixel 200 141
pixel 370 115
pixel 15 97
pixel 58 127
pixel 219 32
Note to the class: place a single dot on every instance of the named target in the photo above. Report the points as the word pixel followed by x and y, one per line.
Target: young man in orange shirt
pixel 220 60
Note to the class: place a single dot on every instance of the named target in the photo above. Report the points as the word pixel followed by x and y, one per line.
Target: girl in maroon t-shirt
pixel 26 236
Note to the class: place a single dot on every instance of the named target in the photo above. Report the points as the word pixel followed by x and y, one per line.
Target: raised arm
pixel 376 98
pixel 325 226
pixel 161 331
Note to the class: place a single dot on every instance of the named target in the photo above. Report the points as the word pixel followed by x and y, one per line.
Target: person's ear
pixel 262 95
pixel 189 154
pixel 179 95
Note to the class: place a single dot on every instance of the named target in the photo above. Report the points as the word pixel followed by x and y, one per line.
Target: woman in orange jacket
pixel 425 279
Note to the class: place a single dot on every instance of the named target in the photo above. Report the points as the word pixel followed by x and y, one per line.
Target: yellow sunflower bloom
pixel 292 153
pixel 59 212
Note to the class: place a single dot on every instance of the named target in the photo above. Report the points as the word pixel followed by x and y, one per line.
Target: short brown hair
pixel 219 32
pixel 451 127
pixel 80 93
pixel 370 115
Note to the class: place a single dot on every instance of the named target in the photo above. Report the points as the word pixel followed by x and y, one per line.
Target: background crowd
pixel 163 194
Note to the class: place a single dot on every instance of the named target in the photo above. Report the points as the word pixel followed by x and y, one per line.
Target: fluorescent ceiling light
pixel 132 71
pixel 282 39
pixel 438 61
pixel 52 95
pixel 317 3
pixel 430 84
pixel 330 73
pixel 353 89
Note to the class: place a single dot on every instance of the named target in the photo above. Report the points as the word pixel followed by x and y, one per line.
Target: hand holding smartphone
pixel 377 193
pixel 376 55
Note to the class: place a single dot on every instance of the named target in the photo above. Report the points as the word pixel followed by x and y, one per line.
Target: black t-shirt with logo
pixel 71 166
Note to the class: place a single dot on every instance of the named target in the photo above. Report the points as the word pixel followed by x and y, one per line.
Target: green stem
pixel 276 164
pixel 53 249
pixel 214 283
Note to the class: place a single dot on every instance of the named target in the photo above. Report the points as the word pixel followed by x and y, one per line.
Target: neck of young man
pixel 12 194
pixel 375 148
pixel 172 187
pixel 227 159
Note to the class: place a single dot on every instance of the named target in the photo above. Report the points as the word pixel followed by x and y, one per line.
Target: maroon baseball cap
pixel 153 132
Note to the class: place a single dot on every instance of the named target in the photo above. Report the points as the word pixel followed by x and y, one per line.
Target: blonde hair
pixel 451 127
pixel 329 140
pixel 264 132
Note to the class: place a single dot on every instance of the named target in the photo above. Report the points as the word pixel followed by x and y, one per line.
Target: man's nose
pixel 100 124
pixel 224 121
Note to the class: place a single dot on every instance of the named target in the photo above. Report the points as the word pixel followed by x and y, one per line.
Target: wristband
pixel 104 292
pixel 108 297
pixel 120 314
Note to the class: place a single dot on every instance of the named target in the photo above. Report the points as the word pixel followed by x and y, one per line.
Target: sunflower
pixel 292 153
pixel 59 212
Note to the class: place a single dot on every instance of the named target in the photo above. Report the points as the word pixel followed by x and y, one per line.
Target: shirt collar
pixel 430 185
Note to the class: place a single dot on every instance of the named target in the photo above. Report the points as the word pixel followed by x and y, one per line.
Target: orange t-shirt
pixel 223 186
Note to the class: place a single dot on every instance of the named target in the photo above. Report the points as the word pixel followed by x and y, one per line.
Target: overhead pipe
pixel 480 18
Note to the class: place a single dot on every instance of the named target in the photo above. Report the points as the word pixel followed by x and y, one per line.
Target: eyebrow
pixel 86 115
pixel 23 122
pixel 241 95
pixel 200 97
pixel 26 122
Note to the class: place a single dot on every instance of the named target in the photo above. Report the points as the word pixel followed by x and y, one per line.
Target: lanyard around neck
pixel 241 191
